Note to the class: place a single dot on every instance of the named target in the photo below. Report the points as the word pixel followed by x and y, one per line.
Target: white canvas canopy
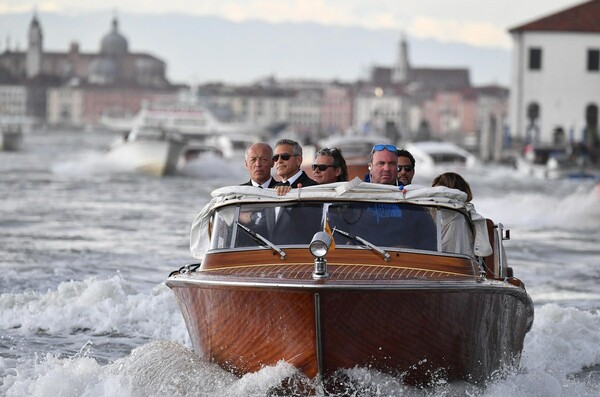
pixel 354 190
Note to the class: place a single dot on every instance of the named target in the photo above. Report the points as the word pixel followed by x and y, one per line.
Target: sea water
pixel 85 250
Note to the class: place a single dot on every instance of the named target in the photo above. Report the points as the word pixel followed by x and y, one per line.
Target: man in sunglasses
pixel 330 166
pixel 390 166
pixel 288 159
pixel 259 162
pixel 291 224
pixel 406 167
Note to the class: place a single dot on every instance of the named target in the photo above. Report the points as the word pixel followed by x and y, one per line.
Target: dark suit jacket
pixel 302 179
pixel 272 184
pixel 259 225
pixel 295 225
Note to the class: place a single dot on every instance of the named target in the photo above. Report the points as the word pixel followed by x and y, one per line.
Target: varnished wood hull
pixel 418 315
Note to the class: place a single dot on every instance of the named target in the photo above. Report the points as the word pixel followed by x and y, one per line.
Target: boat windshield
pixel 389 225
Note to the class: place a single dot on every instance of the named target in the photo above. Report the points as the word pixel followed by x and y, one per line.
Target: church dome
pixel 114 44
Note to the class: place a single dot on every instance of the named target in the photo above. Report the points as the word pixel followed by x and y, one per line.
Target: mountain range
pixel 199 49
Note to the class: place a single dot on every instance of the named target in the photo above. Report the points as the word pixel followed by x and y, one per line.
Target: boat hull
pixel 455 328
pixel 148 156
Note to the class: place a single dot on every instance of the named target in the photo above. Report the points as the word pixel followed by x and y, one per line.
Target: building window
pixel 533 112
pixel 591 116
pixel 535 59
pixel 593 60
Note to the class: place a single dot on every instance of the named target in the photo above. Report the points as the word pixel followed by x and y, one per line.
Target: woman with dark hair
pixel 453 181
pixel 456 235
pixel 329 166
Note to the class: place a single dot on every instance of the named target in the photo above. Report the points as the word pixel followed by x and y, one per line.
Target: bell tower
pixel 34 48
pixel 402 65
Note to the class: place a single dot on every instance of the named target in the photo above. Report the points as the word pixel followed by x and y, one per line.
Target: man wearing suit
pixel 287 225
pixel 259 162
pixel 288 159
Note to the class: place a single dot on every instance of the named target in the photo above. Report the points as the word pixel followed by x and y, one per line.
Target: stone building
pixel 555 77
pixel 114 69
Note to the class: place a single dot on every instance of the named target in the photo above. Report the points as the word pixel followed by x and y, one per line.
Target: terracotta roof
pixel 441 78
pixel 584 17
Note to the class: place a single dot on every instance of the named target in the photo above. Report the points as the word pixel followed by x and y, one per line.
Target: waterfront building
pixel 555 77
pixel 382 111
pixel 84 85
pixel 435 101
pixel 337 109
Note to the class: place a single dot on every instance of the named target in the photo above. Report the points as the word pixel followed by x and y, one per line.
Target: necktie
pixel 286 183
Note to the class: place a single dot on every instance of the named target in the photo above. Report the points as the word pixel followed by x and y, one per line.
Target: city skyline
pixel 468 22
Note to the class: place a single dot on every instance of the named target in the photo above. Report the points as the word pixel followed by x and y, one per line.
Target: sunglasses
pixel 284 156
pixel 389 148
pixel 321 167
pixel 407 168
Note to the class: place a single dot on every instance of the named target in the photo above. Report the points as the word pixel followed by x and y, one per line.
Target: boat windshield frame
pixel 387 225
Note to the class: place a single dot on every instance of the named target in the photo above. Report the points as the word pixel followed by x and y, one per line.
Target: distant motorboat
pixel 233 146
pixel 13 129
pixel 189 119
pixel 553 162
pixel 431 156
pixel 147 150
pixel 160 152
pixel 195 149
pixel 11 137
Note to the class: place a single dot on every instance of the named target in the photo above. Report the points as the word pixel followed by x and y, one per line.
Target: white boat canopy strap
pixel 434 219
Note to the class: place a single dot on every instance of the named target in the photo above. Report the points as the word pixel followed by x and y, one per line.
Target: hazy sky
pixel 476 22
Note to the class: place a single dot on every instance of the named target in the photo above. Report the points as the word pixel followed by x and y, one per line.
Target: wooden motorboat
pixel 409 285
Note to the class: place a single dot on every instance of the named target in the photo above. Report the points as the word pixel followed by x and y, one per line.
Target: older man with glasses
pixel 390 166
pixel 288 159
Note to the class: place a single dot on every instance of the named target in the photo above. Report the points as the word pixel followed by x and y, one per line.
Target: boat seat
pixel 491 269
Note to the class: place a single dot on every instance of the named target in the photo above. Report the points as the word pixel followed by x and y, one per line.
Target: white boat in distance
pixel 432 156
pixel 189 119
pixel 147 150
pixel 554 162
pixel 165 137
pixel 158 152
pixel 11 137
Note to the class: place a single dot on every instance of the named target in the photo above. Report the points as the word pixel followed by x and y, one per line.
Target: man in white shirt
pixel 259 162
pixel 288 159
